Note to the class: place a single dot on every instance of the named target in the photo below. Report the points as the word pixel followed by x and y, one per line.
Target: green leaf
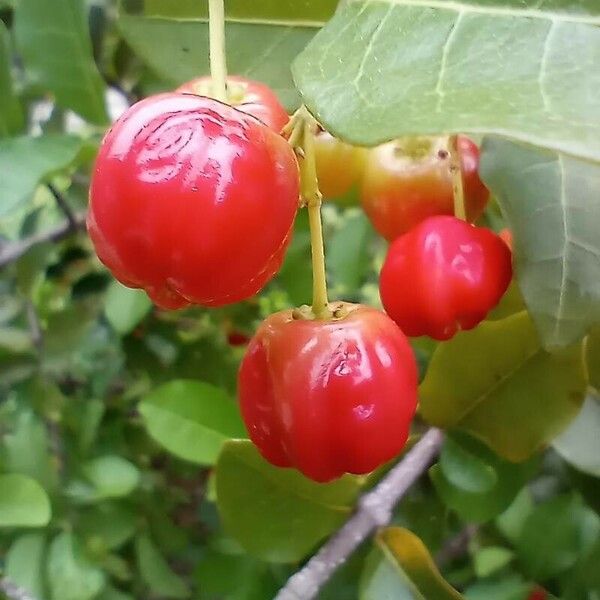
pixel 592 358
pixel 481 506
pixel 491 559
pixel 285 514
pixel 24 562
pixel 25 161
pixel 70 574
pixel 172 37
pixel 27 450
pixel 347 258
pixel 413 574
pixel 125 307
pixel 11 114
pixel 579 445
pixel 527 73
pixel 552 205
pixel 497 383
pixel 511 587
pixel 111 593
pixel 464 469
pixel 23 502
pixel 112 476
pixel 15 339
pixel 191 419
pixel 550 542
pixel 111 522
pixel 511 522
pixel 54 40
pixel 156 572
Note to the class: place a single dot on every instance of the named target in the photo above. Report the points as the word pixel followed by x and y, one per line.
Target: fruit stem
pixel 301 131
pixel 457 179
pixel 218 65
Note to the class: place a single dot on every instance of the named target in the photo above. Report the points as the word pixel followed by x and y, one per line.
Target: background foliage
pixel 123 469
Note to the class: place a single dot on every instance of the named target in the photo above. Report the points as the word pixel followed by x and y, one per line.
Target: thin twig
pixel 12 251
pixel 62 203
pixel 374 510
pixel 34 325
pixel 12 591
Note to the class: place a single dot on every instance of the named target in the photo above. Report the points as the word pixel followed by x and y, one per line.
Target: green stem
pixel 218 65
pixel 312 197
pixel 457 179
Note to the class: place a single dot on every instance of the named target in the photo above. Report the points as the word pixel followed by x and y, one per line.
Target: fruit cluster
pixel 194 201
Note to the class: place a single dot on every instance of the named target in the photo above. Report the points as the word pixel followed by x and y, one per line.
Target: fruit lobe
pixel 329 397
pixel 405 182
pixel 339 165
pixel 443 276
pixel 251 97
pixel 179 197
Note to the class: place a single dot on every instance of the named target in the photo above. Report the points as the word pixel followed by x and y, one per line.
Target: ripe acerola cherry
pixel 443 276
pixel 339 165
pixel 251 97
pixel 407 181
pixel 329 396
pixel 537 593
pixel 180 197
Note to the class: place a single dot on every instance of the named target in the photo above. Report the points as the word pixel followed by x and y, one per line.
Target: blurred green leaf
pixel 481 506
pixel 27 450
pixel 24 562
pixel 23 502
pixel 592 355
pixel 511 521
pixel 368 77
pixel 125 307
pixel 491 559
pixel 285 514
pixel 25 161
pixel 511 587
pixel 11 114
pixel 579 445
pixel 552 205
pixel 156 572
pixel 464 469
pixel 413 574
pixel 114 523
pixel 111 593
pixel 551 538
pixel 191 419
pixel 53 39
pixel 347 258
pixel 497 383
pixel 112 476
pixel 15 339
pixel 70 574
pixel 172 37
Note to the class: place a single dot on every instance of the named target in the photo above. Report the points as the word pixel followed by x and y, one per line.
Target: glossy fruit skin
pixel 251 97
pixel 339 165
pixel 443 276
pixel 329 397
pixel 399 192
pixel 179 197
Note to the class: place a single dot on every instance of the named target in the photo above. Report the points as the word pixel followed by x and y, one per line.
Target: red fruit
pixel 182 189
pixel 329 397
pixel 237 338
pixel 442 276
pixel 339 165
pixel 537 593
pixel 251 97
pixel 405 182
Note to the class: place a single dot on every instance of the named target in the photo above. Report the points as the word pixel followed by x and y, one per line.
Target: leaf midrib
pixel 237 20
pixel 459 7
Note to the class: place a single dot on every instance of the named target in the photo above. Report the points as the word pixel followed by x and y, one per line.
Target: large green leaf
pixel 592 358
pixel 71 576
pixel 112 476
pixel 404 570
pixel 23 502
pixel 24 161
pixel 54 40
pixel 552 206
pixel 384 68
pixel 172 37
pixel 499 384
pixel 125 307
pixel 191 419
pixel 284 514
pixel 24 561
pixel 156 572
pixel 11 114
pixel 579 445
pixel 111 522
pixel 479 505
